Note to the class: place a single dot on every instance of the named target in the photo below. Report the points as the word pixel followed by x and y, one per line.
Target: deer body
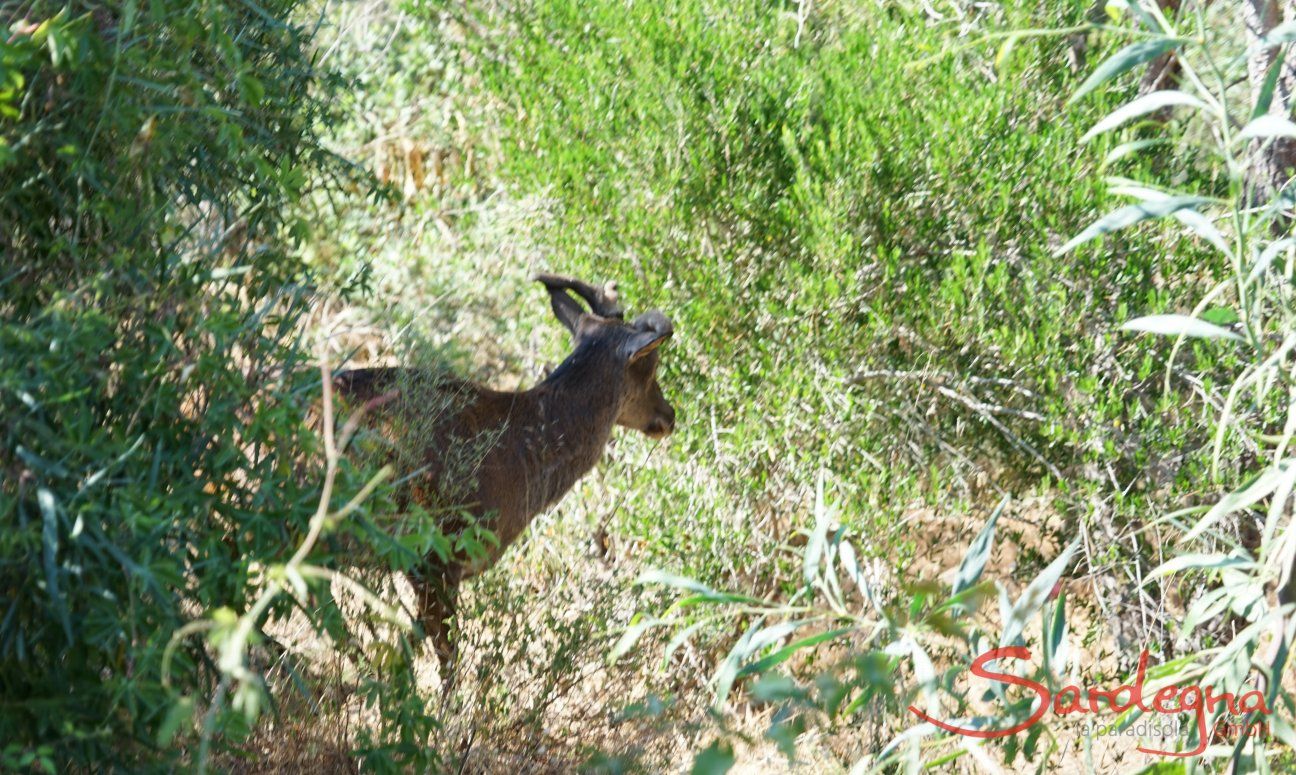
pixel 533 445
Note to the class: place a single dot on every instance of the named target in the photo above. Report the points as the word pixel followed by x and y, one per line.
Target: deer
pixel 527 448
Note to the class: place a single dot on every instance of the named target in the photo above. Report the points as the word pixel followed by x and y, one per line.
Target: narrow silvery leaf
pixel 1130 215
pixel 1143 16
pixel 1127 58
pixel 1277 508
pixel 813 558
pixel 1267 256
pixel 654 576
pixel 915 732
pixel 1199 562
pixel 1179 325
pixel 924 670
pixel 1266 126
pixel 1283 33
pixel 1148 103
pixel 49 555
pixel 1204 608
pixel 1133 146
pixel 1264 484
pixel 978 553
pixel 1035 596
pixel 1136 189
pixel 680 639
pixel 1202 227
pixel 629 638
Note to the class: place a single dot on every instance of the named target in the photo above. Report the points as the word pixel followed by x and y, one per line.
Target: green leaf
pixel 1266 126
pixel 1179 325
pixel 1220 316
pixel 1200 562
pixel 1005 52
pixel 812 560
pixel 49 556
pixel 179 713
pixel 1264 484
pixel 1130 215
pixel 978 553
pixel 1035 596
pixel 765 663
pixel 252 88
pixel 1148 103
pixel 1264 98
pixel 1055 644
pixel 785 733
pixel 715 759
pixel 1125 59
pixel 776 687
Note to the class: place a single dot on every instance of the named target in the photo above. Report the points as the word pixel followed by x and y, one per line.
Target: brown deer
pixel 525 449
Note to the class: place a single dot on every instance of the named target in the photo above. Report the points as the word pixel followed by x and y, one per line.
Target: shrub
pixel 151 404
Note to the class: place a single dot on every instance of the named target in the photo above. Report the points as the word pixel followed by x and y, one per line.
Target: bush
pixel 151 400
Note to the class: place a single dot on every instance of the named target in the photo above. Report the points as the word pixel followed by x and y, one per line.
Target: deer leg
pixel 438 588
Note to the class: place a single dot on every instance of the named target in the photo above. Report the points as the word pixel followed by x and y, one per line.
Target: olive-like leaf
pixel 978 553
pixel 715 759
pixel 1200 562
pixel 1130 215
pixel 1264 97
pixel 1148 103
pixel 1283 33
pixel 1204 228
pixel 49 556
pixel 630 637
pixel 1266 126
pixel 1127 58
pixel 1179 325
pixel 812 560
pixel 1267 256
pixel 1036 594
pixel 1263 485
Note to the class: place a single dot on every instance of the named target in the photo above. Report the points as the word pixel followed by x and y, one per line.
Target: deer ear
pixel 567 309
pixel 643 342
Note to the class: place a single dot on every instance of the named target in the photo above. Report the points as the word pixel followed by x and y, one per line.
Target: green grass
pixel 812 202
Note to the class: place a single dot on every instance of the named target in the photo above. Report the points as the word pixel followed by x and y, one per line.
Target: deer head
pixel 632 346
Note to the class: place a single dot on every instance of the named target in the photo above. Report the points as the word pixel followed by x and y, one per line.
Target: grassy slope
pixel 808 201
pixel 812 201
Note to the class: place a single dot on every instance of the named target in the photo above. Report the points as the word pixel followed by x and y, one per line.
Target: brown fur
pixel 525 449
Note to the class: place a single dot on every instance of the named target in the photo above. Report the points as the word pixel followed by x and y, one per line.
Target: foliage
pixel 897 280
pixel 1247 571
pixel 1249 311
pixel 856 237
pixel 152 440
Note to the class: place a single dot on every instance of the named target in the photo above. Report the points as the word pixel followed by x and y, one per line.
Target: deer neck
pixel 576 408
